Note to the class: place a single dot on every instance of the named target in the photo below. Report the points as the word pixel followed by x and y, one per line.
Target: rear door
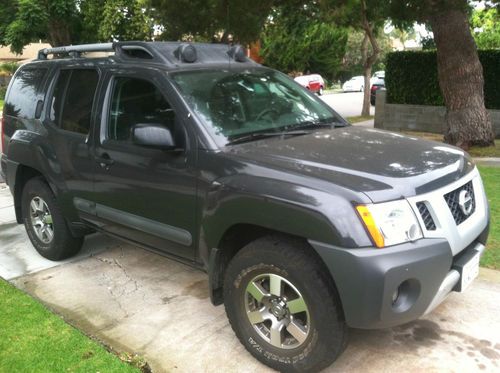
pixel 68 120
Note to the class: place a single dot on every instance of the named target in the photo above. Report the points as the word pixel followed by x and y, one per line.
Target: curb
pixel 488 161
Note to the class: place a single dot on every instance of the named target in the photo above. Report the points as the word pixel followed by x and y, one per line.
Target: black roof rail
pixel 75 50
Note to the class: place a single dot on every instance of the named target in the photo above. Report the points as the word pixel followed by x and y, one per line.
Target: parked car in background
pixel 313 82
pixel 376 76
pixel 355 84
pixel 379 83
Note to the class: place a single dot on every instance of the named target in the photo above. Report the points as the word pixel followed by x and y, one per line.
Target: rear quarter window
pixel 24 92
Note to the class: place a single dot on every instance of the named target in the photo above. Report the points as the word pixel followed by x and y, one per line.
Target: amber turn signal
pixel 370 225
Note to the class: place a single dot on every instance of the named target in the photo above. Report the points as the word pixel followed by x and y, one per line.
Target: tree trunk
pixel 461 81
pixel 367 71
pixel 368 60
pixel 59 33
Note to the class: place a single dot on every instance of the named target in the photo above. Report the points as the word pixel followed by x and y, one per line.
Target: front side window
pixel 136 101
pixel 234 104
pixel 72 100
pixel 23 92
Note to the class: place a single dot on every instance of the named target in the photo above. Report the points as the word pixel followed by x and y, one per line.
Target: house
pixel 30 52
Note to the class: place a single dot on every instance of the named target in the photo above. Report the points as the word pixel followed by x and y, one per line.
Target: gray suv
pixel 305 225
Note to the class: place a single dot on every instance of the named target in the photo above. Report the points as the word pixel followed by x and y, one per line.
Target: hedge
pixel 411 78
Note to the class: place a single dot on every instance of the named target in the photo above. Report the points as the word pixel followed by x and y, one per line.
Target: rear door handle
pixel 104 161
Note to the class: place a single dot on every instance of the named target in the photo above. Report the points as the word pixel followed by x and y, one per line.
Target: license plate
pixel 469 272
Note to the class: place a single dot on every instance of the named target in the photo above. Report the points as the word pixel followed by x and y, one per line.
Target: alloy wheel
pixel 277 311
pixel 41 220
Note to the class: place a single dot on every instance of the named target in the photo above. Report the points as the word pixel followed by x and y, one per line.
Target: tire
pixel 362 88
pixel 45 224
pixel 320 92
pixel 317 321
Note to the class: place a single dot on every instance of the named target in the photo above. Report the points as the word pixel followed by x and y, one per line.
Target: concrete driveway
pixel 140 302
pixel 346 104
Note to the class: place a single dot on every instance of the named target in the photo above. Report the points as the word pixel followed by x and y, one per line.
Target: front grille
pixel 426 216
pixel 453 201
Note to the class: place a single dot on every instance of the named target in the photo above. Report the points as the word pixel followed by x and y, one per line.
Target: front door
pixel 147 195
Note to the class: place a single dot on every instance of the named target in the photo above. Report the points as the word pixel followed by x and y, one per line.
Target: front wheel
pixel 283 307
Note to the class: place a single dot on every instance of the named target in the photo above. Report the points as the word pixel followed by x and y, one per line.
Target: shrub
pixel 8 68
pixel 411 78
pixel 3 89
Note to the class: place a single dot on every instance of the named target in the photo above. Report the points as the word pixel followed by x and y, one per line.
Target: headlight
pixel 390 223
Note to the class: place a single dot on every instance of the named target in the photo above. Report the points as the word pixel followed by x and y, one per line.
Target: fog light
pixel 395 296
pixel 405 296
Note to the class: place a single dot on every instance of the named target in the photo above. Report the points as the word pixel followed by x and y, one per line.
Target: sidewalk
pixel 488 161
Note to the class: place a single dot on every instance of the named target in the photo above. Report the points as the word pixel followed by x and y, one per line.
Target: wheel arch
pixel 236 238
pixel 23 175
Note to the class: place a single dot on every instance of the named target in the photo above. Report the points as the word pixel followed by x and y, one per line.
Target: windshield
pixel 235 104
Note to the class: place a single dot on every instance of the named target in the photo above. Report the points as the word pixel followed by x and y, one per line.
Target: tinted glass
pixel 24 91
pixel 236 103
pixel 137 101
pixel 71 107
pixel 57 104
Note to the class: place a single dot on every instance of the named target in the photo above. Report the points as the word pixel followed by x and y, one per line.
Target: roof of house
pixel 30 52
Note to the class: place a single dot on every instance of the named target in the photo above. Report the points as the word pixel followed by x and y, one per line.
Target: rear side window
pixel 71 106
pixel 24 91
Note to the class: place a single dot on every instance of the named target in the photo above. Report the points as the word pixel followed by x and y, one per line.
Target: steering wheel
pixel 265 112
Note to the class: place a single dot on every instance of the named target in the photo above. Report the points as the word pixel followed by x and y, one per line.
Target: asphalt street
pixel 346 104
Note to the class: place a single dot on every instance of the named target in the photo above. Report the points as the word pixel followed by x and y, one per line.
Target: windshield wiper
pixel 263 135
pixel 315 125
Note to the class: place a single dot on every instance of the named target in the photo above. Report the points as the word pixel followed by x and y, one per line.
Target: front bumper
pixel 425 272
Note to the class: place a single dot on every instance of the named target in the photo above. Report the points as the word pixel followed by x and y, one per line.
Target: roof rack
pixel 173 54
pixel 76 50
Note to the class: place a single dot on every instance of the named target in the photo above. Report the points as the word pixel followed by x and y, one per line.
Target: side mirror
pixel 153 135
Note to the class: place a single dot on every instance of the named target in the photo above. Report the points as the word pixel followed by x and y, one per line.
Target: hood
pixel 383 165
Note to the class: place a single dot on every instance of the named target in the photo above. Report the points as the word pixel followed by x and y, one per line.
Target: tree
pixel 485 25
pixel 352 62
pixel 125 20
pixel 403 35
pixel 459 70
pixel 30 20
pixel 297 39
pixel 64 22
pixel 367 16
pixel 212 20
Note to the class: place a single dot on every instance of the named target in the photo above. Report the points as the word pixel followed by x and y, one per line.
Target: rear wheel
pixel 320 92
pixel 45 224
pixel 283 307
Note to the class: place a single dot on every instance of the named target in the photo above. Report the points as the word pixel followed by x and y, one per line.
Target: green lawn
pixel 491 180
pixel 1 105
pixel 359 118
pixel 475 151
pixel 33 339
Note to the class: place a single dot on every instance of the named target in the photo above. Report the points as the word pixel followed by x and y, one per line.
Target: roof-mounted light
pixel 237 53
pixel 186 53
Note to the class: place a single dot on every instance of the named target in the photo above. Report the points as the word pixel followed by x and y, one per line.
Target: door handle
pixel 104 161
